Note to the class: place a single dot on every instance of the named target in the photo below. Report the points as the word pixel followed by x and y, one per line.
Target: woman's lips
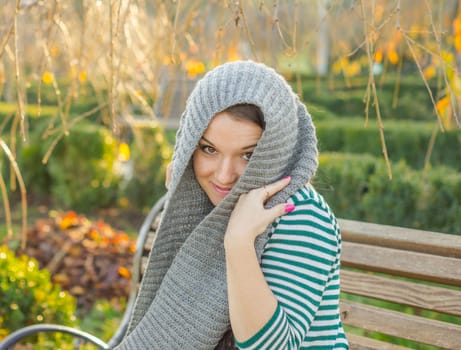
pixel 221 190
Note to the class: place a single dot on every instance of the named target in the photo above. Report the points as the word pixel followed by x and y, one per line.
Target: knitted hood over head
pixel 182 303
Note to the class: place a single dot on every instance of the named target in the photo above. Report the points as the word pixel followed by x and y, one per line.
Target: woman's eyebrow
pixel 204 138
pixel 249 146
pixel 243 148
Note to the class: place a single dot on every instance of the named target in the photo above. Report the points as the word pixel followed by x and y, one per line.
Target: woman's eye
pixel 207 149
pixel 247 156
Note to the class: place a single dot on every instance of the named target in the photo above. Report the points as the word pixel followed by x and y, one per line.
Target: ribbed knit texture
pixel 182 303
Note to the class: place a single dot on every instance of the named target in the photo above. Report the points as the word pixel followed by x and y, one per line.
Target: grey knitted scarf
pixel 182 303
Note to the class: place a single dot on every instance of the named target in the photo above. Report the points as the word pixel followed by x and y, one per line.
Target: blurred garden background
pixel 91 92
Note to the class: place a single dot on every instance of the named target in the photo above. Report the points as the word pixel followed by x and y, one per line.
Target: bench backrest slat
pixel 426 267
pixel 413 269
pixel 357 342
pixel 401 238
pixel 398 291
pixel 423 330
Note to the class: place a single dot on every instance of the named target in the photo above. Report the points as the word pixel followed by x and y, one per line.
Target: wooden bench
pixel 413 270
pixel 409 268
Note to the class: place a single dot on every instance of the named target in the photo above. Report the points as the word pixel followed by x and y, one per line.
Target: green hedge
pixel 84 170
pixel 358 187
pixel 85 98
pixel 405 140
pixel 333 94
pixel 79 174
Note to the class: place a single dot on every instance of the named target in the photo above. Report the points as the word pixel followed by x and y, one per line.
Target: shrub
pixel 393 201
pixel 85 171
pixel 150 154
pixel 440 199
pixel 344 179
pixel 79 174
pixel 405 140
pixel 27 296
pixel 84 98
pixel 358 187
pixel 81 168
pixel 403 97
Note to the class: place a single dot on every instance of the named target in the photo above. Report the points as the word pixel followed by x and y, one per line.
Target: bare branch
pixel 6 205
pixel 19 97
pixel 22 186
pixel 372 86
pixel 409 40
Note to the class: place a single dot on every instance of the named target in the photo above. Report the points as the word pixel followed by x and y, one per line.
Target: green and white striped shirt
pixel 301 264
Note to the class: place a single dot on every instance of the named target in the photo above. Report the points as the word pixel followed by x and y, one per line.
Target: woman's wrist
pixel 238 243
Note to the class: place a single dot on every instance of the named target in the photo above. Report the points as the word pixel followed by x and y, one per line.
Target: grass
pixel 31 110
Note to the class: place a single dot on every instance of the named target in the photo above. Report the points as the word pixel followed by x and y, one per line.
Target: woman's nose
pixel 226 172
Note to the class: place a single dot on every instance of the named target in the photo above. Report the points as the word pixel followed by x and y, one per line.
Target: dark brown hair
pixel 247 111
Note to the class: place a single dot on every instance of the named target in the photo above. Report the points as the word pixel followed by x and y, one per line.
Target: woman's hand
pixel 251 301
pixel 250 218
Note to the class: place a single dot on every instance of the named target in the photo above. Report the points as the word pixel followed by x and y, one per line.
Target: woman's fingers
pixel 281 209
pixel 250 218
pixel 269 190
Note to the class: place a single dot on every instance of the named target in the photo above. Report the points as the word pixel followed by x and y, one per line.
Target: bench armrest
pixel 16 336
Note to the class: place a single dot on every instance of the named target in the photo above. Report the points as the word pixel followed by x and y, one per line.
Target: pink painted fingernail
pixel 287 177
pixel 289 208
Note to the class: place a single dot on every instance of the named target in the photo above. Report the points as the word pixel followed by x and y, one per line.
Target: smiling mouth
pixel 222 190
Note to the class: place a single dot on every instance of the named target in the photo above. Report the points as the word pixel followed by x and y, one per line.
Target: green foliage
pixel 8 110
pixel 81 168
pixel 79 174
pixel 344 180
pixel 104 318
pixel 403 98
pixel 85 97
pixel 440 198
pixel 405 140
pixel 27 296
pixel 392 201
pixel 150 154
pixel 358 187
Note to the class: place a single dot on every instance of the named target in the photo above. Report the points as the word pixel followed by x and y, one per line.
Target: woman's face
pixel 223 154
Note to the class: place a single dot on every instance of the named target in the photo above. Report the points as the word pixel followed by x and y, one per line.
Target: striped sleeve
pixel 300 263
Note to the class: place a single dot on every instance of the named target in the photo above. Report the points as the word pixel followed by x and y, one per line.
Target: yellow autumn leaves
pixel 445 104
pixel 48 77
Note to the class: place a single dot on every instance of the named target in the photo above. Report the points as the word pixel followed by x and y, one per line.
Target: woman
pixel 245 243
